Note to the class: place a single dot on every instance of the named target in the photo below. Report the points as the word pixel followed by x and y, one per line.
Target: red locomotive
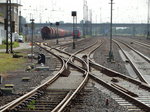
pixel 76 33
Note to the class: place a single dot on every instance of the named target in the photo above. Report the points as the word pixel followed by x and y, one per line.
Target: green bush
pixel 1 14
pixel 4 42
pixel 3 46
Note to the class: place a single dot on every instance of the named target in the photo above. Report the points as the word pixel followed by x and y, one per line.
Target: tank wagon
pixel 51 33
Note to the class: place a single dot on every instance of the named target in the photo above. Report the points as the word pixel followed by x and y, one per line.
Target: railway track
pixel 139 62
pixel 32 95
pixel 30 101
pixel 128 92
pixel 141 47
pixel 121 87
pixel 115 83
pixel 142 44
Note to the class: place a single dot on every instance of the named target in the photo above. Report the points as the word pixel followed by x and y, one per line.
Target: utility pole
pixel 74 15
pixel 84 13
pixel 20 25
pixel 111 57
pixel 32 27
pixel 8 27
pixel 90 11
pixel 148 17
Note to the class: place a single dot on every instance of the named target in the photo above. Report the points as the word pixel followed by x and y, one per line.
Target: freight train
pixel 51 33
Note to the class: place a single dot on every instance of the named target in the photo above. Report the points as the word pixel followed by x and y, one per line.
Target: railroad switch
pixel 65 73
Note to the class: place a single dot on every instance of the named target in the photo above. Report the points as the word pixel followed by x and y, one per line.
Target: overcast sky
pixel 124 11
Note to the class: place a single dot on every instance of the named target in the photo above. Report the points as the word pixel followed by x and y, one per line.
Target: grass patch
pixel 7 63
pixel 15 44
pixel 31 105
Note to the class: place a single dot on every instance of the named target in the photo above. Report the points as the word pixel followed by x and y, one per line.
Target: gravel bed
pixel 80 44
pixel 95 101
pixel 101 55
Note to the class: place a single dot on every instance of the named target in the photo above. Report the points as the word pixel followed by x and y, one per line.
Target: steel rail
pixel 89 54
pixel 58 108
pixel 135 81
pixel 82 84
pixel 145 106
pixel 76 91
pixel 142 55
pixel 62 104
pixel 112 73
pixel 24 96
pixel 73 55
pixel 29 94
pixel 117 74
pixel 144 44
pixel 124 94
pixel 121 93
pixel 132 64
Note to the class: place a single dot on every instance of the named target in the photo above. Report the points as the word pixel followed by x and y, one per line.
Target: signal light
pixel 57 23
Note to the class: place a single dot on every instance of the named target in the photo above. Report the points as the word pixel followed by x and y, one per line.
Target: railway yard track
pixel 142 44
pixel 142 47
pixel 139 62
pixel 76 72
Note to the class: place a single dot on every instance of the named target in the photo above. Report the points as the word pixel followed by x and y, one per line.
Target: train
pixel 51 33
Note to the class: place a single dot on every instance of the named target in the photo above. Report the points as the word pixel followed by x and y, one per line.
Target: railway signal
pixel 41 58
pixel 32 27
pixel 57 35
pixel 74 14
